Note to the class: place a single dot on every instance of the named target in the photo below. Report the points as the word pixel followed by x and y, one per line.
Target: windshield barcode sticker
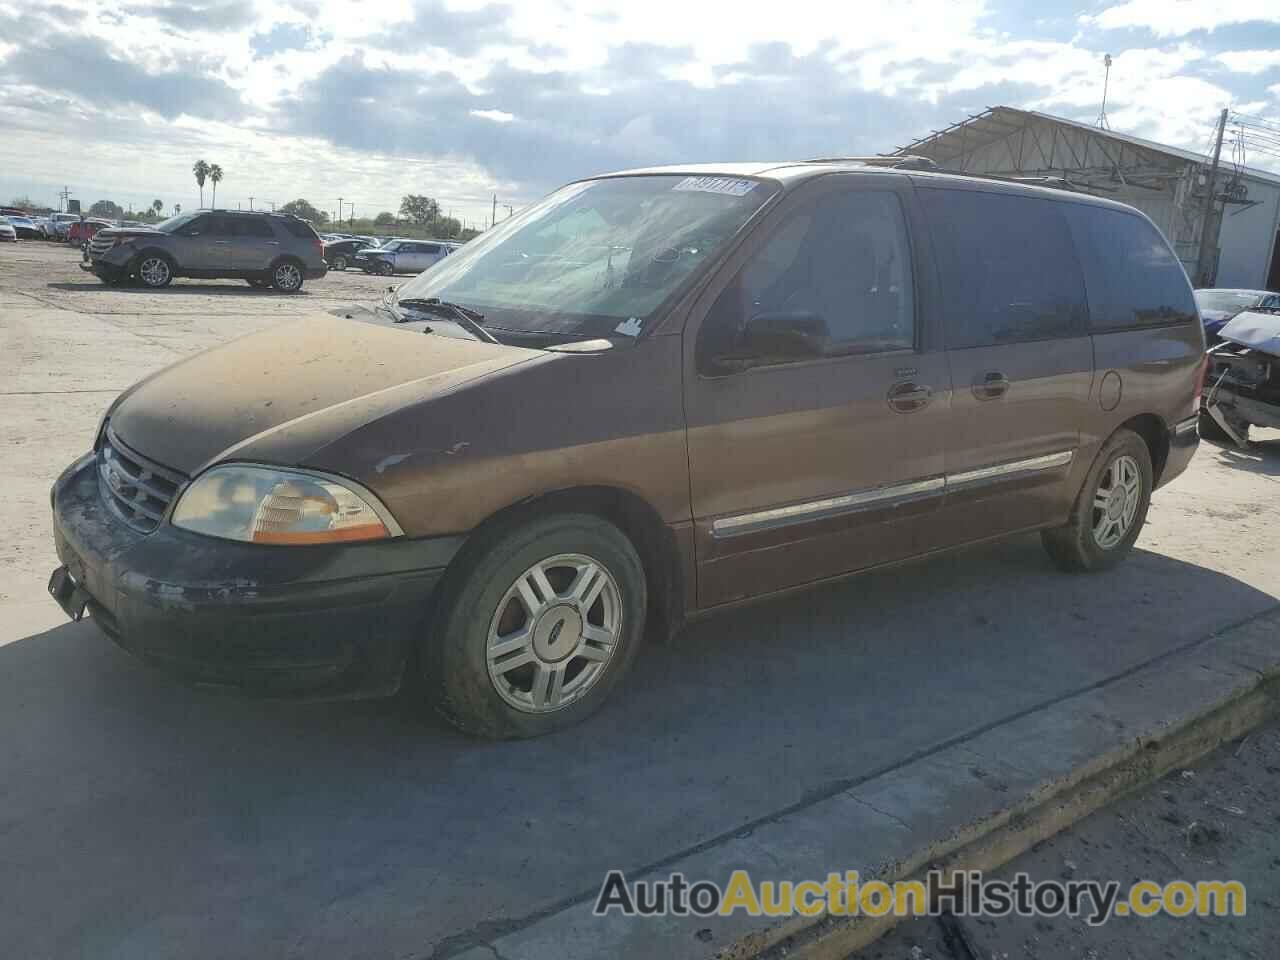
pixel 728 186
pixel 630 327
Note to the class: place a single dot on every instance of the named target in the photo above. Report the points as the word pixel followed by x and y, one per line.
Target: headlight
pixel 265 505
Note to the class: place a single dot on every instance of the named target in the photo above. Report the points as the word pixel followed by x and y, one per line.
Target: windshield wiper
pixel 464 317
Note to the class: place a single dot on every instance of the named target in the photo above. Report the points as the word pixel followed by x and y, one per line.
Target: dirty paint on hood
pixel 278 395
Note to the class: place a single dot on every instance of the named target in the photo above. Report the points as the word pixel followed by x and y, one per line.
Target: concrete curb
pixel 974 802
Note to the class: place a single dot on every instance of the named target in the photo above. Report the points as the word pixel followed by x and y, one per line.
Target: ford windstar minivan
pixel 649 396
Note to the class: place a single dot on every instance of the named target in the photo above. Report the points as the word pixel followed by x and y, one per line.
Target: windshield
pixel 1228 300
pixel 174 223
pixel 595 258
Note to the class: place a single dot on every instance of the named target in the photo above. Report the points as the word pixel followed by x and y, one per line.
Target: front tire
pixel 535 626
pixel 155 271
pixel 1110 510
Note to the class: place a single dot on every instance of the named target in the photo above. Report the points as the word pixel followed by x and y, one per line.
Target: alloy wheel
pixel 1116 500
pixel 154 271
pixel 554 632
pixel 288 277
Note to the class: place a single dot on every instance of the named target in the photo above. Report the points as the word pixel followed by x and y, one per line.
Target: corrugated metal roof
pixel 992 126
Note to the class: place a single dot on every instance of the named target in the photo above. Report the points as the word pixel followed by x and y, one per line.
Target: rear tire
pixel 565 596
pixel 1109 511
pixel 339 263
pixel 384 269
pixel 287 276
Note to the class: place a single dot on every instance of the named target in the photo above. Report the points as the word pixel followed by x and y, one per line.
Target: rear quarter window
pixel 300 229
pixel 1007 266
pixel 1133 278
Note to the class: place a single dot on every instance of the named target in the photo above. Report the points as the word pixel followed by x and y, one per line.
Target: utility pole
pixel 1106 80
pixel 510 210
pixel 63 197
pixel 251 204
pixel 1203 270
pixel 493 218
pixel 339 212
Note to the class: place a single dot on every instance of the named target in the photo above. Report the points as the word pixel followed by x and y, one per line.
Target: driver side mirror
pixel 775 336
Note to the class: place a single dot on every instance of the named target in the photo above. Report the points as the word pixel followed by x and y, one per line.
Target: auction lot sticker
pixel 729 186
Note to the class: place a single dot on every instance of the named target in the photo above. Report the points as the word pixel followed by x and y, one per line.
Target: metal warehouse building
pixel 1166 183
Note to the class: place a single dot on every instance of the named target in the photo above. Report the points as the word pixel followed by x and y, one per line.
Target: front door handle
pixel 908 396
pixel 992 386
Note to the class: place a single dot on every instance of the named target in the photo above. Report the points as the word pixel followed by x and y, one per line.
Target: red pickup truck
pixel 80 231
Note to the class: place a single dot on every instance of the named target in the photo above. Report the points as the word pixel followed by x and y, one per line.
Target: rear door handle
pixel 222 241
pixel 991 386
pixel 908 396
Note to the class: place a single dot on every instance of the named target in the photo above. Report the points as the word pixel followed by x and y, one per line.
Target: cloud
pixel 432 24
pixel 213 16
pixel 283 36
pixel 1177 19
pixel 86 68
pixel 1249 61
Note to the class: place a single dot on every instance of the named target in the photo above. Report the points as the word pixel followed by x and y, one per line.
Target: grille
pixel 138 490
pixel 99 245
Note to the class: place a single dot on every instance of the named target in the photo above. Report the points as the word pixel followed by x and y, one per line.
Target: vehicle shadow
pixel 1262 455
pixel 142 817
pixel 230 289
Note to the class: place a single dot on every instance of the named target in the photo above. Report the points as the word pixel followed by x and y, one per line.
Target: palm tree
pixel 177 209
pixel 157 206
pixel 215 177
pixel 201 171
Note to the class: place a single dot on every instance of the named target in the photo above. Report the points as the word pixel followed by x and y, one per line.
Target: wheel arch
pixel 1155 435
pixel 630 513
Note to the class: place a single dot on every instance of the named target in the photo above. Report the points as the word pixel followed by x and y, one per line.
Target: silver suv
pixel 264 249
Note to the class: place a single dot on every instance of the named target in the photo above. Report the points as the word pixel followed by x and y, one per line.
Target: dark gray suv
pixel 265 249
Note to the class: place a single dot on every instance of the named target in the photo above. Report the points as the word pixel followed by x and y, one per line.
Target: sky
pixel 368 100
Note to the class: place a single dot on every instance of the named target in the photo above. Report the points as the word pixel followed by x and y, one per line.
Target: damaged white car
pixel 1242 378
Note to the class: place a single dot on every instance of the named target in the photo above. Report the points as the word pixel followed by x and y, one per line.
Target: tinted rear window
pixel 301 229
pixel 1007 266
pixel 1133 277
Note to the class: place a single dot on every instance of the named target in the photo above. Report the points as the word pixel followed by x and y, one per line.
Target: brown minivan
pixel 647 397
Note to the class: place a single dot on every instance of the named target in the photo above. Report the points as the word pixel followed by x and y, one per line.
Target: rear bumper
pixel 300 622
pixel 1184 439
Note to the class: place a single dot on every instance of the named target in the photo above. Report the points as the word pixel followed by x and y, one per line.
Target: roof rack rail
pixel 908 162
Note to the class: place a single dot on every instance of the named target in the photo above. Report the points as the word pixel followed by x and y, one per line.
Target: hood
pixel 280 395
pixel 1259 330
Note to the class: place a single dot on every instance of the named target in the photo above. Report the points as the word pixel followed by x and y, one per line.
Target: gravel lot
pixel 141 818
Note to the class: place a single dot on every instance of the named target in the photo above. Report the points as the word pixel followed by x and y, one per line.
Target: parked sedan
pixel 26 227
pixel 403 256
pixel 340 254
pixel 7 232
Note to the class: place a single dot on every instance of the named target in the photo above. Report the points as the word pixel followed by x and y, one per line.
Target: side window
pixel 198 226
pixel 1134 278
pixel 431 248
pixel 841 265
pixel 219 226
pixel 252 227
pixel 1007 267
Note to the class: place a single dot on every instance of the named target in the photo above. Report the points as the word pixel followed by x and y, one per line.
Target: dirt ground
pixel 1218 820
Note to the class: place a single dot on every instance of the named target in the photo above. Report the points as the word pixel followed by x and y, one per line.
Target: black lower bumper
pixel 1184 440
pixel 320 622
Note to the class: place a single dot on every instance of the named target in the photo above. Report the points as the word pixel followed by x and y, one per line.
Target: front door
pixel 1015 316
pixel 203 245
pixel 802 469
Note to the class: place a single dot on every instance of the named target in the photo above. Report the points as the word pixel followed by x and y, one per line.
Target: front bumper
pixel 322 622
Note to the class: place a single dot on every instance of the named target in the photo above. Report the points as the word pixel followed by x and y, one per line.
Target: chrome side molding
pixel 809 510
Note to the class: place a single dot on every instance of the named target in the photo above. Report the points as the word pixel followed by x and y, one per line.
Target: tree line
pixel 419 215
